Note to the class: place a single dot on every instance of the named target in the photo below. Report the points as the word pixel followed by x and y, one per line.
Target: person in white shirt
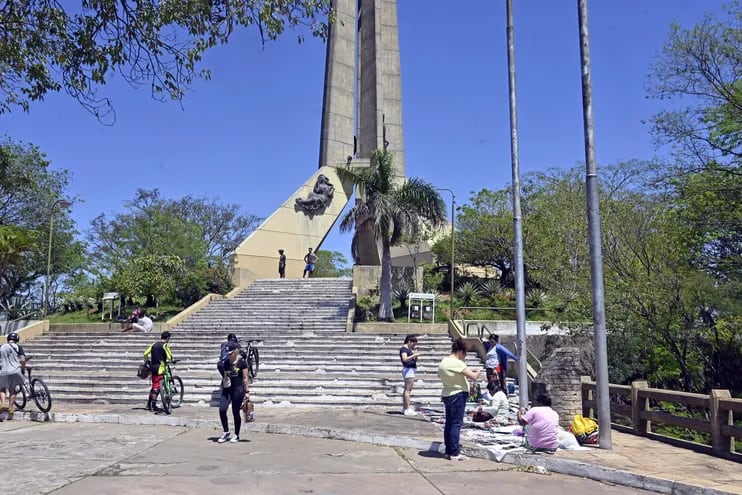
pixel 144 324
pixel 495 401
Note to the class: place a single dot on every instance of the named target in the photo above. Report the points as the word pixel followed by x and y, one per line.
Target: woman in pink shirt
pixel 543 425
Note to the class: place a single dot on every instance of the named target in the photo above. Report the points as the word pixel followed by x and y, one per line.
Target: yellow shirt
pixel 450 371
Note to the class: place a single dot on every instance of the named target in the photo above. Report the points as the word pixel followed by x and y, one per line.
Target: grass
pixel 165 313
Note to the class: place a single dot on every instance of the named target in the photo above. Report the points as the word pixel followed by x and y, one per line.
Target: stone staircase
pixel 306 356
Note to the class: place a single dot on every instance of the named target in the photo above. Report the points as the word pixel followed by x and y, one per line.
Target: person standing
pixel 158 354
pixel 310 259
pixel 408 354
pixel 500 353
pixel 454 372
pixel 12 367
pixel 236 393
pixel 281 264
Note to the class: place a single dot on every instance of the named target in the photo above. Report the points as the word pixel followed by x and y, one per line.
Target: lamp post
pixel 63 203
pixel 453 245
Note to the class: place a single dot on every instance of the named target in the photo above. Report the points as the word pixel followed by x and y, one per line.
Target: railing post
pixel 719 441
pixel 637 406
pixel 586 395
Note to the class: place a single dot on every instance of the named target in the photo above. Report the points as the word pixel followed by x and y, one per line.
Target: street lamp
pixel 453 218
pixel 63 203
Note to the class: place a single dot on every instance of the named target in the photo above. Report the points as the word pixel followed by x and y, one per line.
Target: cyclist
pixel 12 367
pixel 158 354
pixel 236 391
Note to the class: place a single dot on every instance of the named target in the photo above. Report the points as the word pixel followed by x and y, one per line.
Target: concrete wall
pixel 366 278
pixel 400 328
pixel 7 327
pixel 290 229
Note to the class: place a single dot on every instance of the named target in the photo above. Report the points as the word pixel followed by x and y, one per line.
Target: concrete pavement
pixel 115 459
pixel 635 461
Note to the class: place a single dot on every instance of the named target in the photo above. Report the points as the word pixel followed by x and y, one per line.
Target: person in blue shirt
pixel 501 368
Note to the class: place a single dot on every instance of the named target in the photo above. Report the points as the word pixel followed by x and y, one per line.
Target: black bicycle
pixel 33 388
pixel 253 359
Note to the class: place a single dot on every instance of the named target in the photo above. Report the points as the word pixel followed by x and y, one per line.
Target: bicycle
pixel 33 388
pixel 171 392
pixel 252 356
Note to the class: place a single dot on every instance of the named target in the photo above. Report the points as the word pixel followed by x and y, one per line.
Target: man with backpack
pixel 12 367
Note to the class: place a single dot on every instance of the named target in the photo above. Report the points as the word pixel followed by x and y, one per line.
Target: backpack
pixel 223 352
pixel 583 427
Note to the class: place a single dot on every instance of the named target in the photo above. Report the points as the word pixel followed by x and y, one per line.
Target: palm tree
pixel 390 208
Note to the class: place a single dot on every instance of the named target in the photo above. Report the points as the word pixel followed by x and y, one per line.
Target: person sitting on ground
pixel 144 324
pixel 126 325
pixel 542 425
pixel 495 402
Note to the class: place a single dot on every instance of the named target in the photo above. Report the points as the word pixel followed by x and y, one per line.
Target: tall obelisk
pixel 362 108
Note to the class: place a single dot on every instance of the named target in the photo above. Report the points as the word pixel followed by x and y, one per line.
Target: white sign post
pixel 422 297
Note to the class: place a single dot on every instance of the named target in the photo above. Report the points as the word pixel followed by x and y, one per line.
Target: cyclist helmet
pixel 231 338
pixel 13 337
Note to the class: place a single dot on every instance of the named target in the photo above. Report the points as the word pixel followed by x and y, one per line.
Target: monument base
pixel 366 279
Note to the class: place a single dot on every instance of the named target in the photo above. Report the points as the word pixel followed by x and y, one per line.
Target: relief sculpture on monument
pixel 319 198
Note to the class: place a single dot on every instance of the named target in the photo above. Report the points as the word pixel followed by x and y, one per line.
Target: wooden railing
pixel 709 419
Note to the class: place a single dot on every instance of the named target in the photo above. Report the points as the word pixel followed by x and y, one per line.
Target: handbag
pixel 226 381
pixel 144 371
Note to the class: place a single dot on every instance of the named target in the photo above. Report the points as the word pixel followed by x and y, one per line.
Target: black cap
pixel 231 347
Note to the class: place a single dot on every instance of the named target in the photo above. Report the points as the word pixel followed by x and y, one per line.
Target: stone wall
pixel 560 378
pixel 366 278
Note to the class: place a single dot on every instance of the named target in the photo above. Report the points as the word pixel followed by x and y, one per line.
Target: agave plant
pixel 468 291
pixel 536 298
pixel 402 294
pixel 491 287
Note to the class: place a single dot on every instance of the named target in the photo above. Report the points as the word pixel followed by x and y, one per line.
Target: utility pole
pixel 520 305
pixel 593 220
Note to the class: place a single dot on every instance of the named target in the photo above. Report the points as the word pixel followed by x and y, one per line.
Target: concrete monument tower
pixel 362 112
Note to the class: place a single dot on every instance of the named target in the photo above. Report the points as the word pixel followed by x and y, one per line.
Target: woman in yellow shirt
pixel 453 372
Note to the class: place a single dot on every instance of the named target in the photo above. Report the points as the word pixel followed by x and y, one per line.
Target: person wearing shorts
pixel 12 367
pixel 310 259
pixel 408 354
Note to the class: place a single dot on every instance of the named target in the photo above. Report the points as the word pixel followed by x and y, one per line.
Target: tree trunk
pixel 385 285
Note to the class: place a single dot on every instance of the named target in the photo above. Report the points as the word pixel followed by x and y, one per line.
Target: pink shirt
pixel 543 427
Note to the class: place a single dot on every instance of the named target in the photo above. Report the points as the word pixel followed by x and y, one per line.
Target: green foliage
pixel 432 278
pixel 467 291
pixel 49 47
pixel 389 209
pixel 331 264
pixel 29 188
pixel 699 68
pixel 401 295
pixel 151 276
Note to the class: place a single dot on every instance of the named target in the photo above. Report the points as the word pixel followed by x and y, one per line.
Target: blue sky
pixel 251 134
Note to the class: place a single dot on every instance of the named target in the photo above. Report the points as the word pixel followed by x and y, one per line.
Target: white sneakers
pixel 409 412
pixel 225 438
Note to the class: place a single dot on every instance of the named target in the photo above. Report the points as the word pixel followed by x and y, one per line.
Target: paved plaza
pixel 108 449
pixel 111 459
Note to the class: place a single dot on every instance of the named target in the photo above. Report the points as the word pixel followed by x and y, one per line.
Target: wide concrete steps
pixel 306 357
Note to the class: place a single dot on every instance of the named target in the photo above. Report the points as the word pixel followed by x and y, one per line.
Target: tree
pixel 50 47
pixel 484 235
pixel 331 264
pixel 701 67
pixel 28 189
pixel 152 276
pixel 390 208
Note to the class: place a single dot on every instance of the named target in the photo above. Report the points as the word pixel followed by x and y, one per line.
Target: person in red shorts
pixel 158 354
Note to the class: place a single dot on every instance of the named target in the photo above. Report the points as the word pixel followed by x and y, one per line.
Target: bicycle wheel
pixel 167 400
pixel 20 398
pixel 253 362
pixel 176 386
pixel 41 395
